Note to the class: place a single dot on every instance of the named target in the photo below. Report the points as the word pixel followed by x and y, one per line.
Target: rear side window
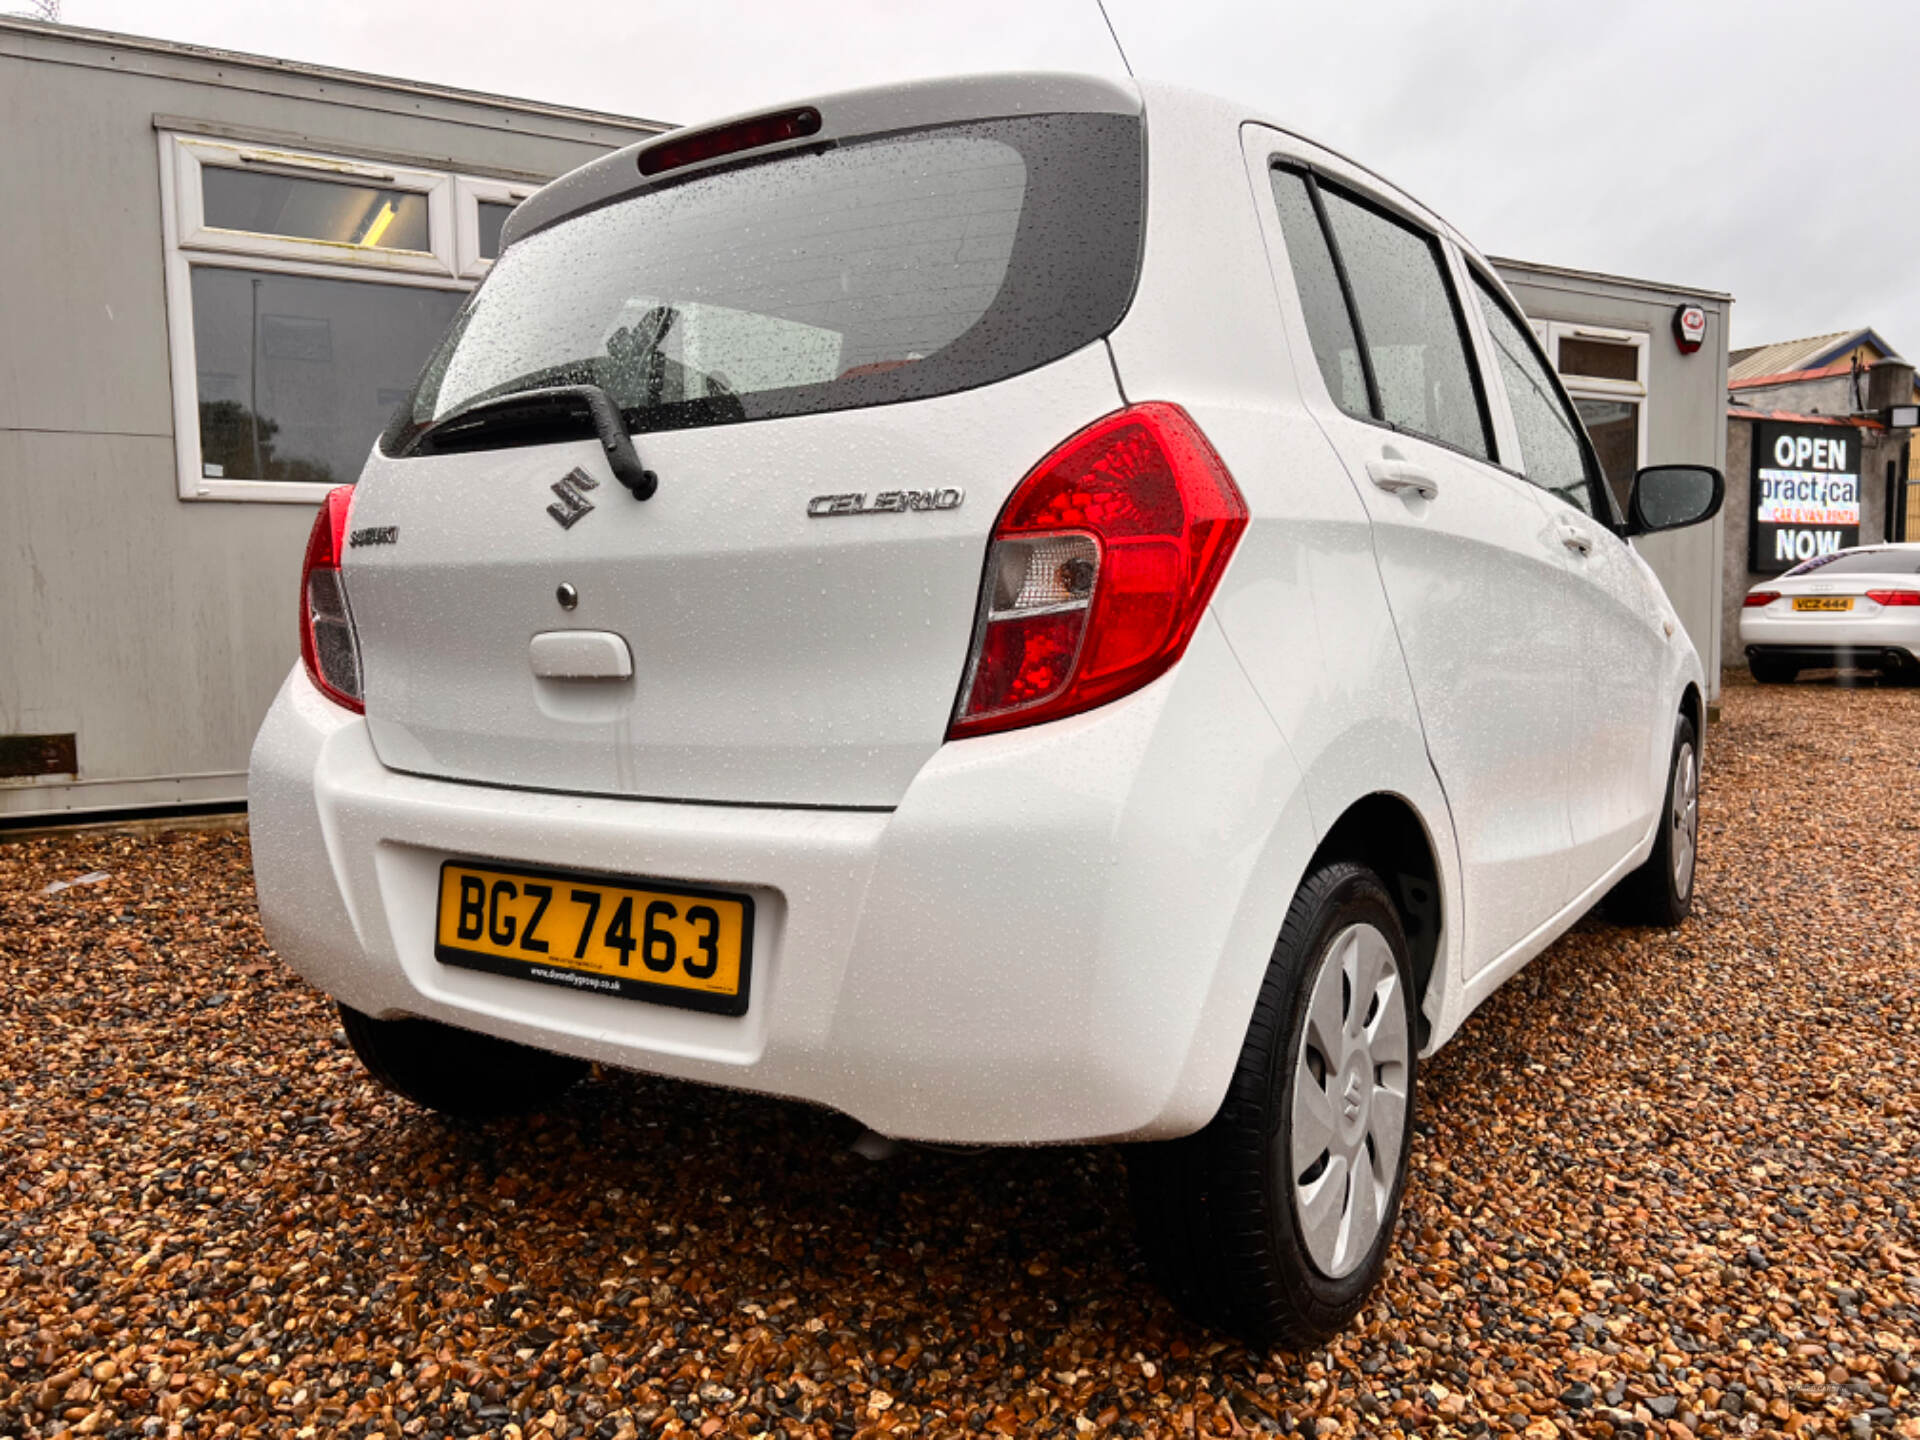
pixel 1553 454
pixel 895 268
pixel 1386 327
pixel 1412 327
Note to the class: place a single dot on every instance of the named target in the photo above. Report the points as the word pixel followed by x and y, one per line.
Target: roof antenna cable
pixel 1116 37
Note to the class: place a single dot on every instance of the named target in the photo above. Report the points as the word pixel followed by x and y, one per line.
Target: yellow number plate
pixel 1823 602
pixel 673 945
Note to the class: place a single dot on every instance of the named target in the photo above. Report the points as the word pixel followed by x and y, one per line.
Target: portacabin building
pixel 222 273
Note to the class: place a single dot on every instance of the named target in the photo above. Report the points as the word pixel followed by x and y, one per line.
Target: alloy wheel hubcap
pixel 1685 816
pixel 1349 1100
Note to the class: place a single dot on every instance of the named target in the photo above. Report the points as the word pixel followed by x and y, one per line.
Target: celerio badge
pixel 886 502
pixel 572 504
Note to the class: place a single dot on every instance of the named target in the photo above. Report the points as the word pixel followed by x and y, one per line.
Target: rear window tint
pixel 894 268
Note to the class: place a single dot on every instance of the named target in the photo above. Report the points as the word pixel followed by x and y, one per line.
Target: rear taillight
pixel 1894 597
pixel 1761 597
pixel 1101 566
pixel 327 642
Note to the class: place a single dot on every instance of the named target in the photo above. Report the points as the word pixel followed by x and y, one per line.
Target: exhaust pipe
pixel 875 1147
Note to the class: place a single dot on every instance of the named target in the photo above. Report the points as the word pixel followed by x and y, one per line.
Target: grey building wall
pixel 158 629
pixel 1686 406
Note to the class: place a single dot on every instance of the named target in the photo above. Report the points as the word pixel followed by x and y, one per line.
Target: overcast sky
pixel 1766 149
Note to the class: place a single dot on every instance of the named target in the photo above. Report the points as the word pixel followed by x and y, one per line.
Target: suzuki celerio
pixel 1023 609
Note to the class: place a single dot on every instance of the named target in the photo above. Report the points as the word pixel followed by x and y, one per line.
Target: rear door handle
pixel 1576 539
pixel 1402 477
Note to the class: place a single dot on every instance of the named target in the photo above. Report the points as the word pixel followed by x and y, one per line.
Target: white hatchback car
pixel 1856 608
pixel 1022 609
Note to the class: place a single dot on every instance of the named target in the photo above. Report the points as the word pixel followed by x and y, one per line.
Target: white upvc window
pixel 481 208
pixel 1605 372
pixel 304 292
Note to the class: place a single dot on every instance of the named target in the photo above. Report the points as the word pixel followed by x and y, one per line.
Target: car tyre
pixel 459 1073
pixel 1769 671
pixel 1660 892
pixel 1240 1226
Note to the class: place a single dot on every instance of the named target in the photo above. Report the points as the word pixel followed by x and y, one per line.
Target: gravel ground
pixel 1664 1183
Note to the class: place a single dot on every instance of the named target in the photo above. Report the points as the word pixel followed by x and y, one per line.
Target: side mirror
pixel 1668 497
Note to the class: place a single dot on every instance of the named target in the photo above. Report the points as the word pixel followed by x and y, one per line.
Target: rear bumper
pixel 1838 657
pixel 1057 935
pixel 1882 640
pixel 1873 639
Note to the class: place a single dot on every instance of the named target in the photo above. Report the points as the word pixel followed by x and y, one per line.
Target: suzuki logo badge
pixel 572 504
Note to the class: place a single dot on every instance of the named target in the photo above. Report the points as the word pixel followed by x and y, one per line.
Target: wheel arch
pixel 1695 709
pixel 1386 833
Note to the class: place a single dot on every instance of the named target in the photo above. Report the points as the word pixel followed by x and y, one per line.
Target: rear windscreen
pixel 885 269
pixel 1862 562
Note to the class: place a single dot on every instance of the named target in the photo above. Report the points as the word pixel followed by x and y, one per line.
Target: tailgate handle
pixel 580 655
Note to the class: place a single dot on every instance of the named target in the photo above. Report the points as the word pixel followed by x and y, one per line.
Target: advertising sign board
pixel 1806 494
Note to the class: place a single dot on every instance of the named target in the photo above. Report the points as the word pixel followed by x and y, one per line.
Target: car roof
pixel 879 108
pixel 1807 569
pixel 873 110
pixel 1204 106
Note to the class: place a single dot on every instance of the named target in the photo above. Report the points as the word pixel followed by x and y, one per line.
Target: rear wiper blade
pixel 569 400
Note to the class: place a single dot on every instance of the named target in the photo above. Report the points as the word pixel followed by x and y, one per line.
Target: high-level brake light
pixel 741 135
pixel 1100 569
pixel 328 645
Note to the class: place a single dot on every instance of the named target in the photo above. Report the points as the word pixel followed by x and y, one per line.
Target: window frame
pixel 193 154
pixel 1634 392
pixel 189 243
pixel 1599 386
pixel 1604 511
pixel 470 192
pixel 1315 178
